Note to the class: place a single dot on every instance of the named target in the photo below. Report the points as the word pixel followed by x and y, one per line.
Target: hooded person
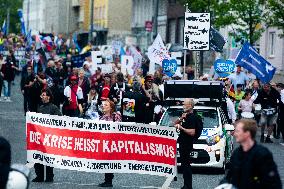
pixel 5 161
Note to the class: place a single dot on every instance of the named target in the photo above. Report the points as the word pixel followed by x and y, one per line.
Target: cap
pixel 149 78
pixel 73 78
pixel 107 75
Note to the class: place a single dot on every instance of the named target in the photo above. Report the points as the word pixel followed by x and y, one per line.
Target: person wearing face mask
pixel 26 81
pixel 46 108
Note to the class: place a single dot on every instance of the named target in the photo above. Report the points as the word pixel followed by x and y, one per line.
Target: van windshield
pixel 209 117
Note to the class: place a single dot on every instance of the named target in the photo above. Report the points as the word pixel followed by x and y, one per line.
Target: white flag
pixel 158 52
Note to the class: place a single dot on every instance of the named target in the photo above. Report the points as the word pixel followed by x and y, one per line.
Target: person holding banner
pixel 46 108
pixel 109 114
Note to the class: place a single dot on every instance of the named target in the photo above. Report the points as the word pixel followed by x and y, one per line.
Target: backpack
pixel 199 127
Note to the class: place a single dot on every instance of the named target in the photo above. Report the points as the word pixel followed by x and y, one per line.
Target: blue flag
pixel 23 28
pixel 256 64
pixel 75 40
pixel 4 27
pixel 79 60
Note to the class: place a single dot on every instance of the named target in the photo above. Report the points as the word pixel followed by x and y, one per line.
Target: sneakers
pixel 262 139
pixel 105 184
pixel 8 99
pixel 268 140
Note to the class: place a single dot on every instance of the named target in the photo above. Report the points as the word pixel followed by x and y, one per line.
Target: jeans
pixel 7 88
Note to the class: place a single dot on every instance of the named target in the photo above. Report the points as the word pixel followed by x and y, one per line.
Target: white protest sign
pixel 106 68
pixel 137 58
pixel 157 52
pixel 96 59
pixel 127 63
pixel 196 31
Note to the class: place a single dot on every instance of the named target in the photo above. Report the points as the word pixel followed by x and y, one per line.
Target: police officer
pixel 186 124
pixel 252 165
pixel 46 108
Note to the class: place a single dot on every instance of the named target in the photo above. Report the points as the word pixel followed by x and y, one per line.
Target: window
pixel 209 117
pixel 271 43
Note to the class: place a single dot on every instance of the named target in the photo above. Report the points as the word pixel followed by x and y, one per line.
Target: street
pixel 12 127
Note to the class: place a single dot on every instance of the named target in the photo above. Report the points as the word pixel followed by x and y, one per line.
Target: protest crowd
pixel 57 67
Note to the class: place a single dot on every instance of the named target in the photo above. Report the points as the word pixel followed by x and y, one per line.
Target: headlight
pixel 212 140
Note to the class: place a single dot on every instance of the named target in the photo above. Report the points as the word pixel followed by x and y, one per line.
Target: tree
pixel 275 14
pixel 248 15
pixel 242 15
pixel 14 5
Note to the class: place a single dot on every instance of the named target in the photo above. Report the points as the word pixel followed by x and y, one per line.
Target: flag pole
pixel 184 63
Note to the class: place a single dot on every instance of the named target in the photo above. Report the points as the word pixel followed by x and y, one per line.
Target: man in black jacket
pixel 26 81
pixel 252 165
pixel 46 108
pixel 187 124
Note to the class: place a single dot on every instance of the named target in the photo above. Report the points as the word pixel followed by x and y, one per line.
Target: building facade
pixel 53 16
pixel 272 48
pixel 170 21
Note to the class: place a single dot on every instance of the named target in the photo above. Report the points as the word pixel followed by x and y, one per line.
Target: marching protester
pixel 117 90
pixel 84 84
pixel 268 97
pixel 26 84
pixel 251 165
pixel 150 90
pixel 246 104
pixel 239 77
pixel 140 102
pixel 8 74
pixel 73 99
pixel 187 125
pixel 46 108
pixel 92 105
pixel 109 114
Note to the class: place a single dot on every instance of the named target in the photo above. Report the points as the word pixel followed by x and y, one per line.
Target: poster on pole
pixel 196 31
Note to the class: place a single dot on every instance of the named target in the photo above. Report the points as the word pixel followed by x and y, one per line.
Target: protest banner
pixel 99 146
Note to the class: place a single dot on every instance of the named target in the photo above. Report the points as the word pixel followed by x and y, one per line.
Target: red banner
pixel 85 145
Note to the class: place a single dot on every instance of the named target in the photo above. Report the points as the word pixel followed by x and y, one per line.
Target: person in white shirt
pixel 231 110
pixel 246 104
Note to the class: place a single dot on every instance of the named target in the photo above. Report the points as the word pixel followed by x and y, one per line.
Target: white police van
pixel 215 145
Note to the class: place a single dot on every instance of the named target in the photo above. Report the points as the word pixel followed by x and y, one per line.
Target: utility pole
pixel 92 21
pixel 8 19
pixel 28 16
pixel 155 20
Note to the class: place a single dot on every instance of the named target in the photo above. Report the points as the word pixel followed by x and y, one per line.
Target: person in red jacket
pixel 73 101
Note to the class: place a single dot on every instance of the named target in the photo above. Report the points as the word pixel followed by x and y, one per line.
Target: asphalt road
pixel 12 127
